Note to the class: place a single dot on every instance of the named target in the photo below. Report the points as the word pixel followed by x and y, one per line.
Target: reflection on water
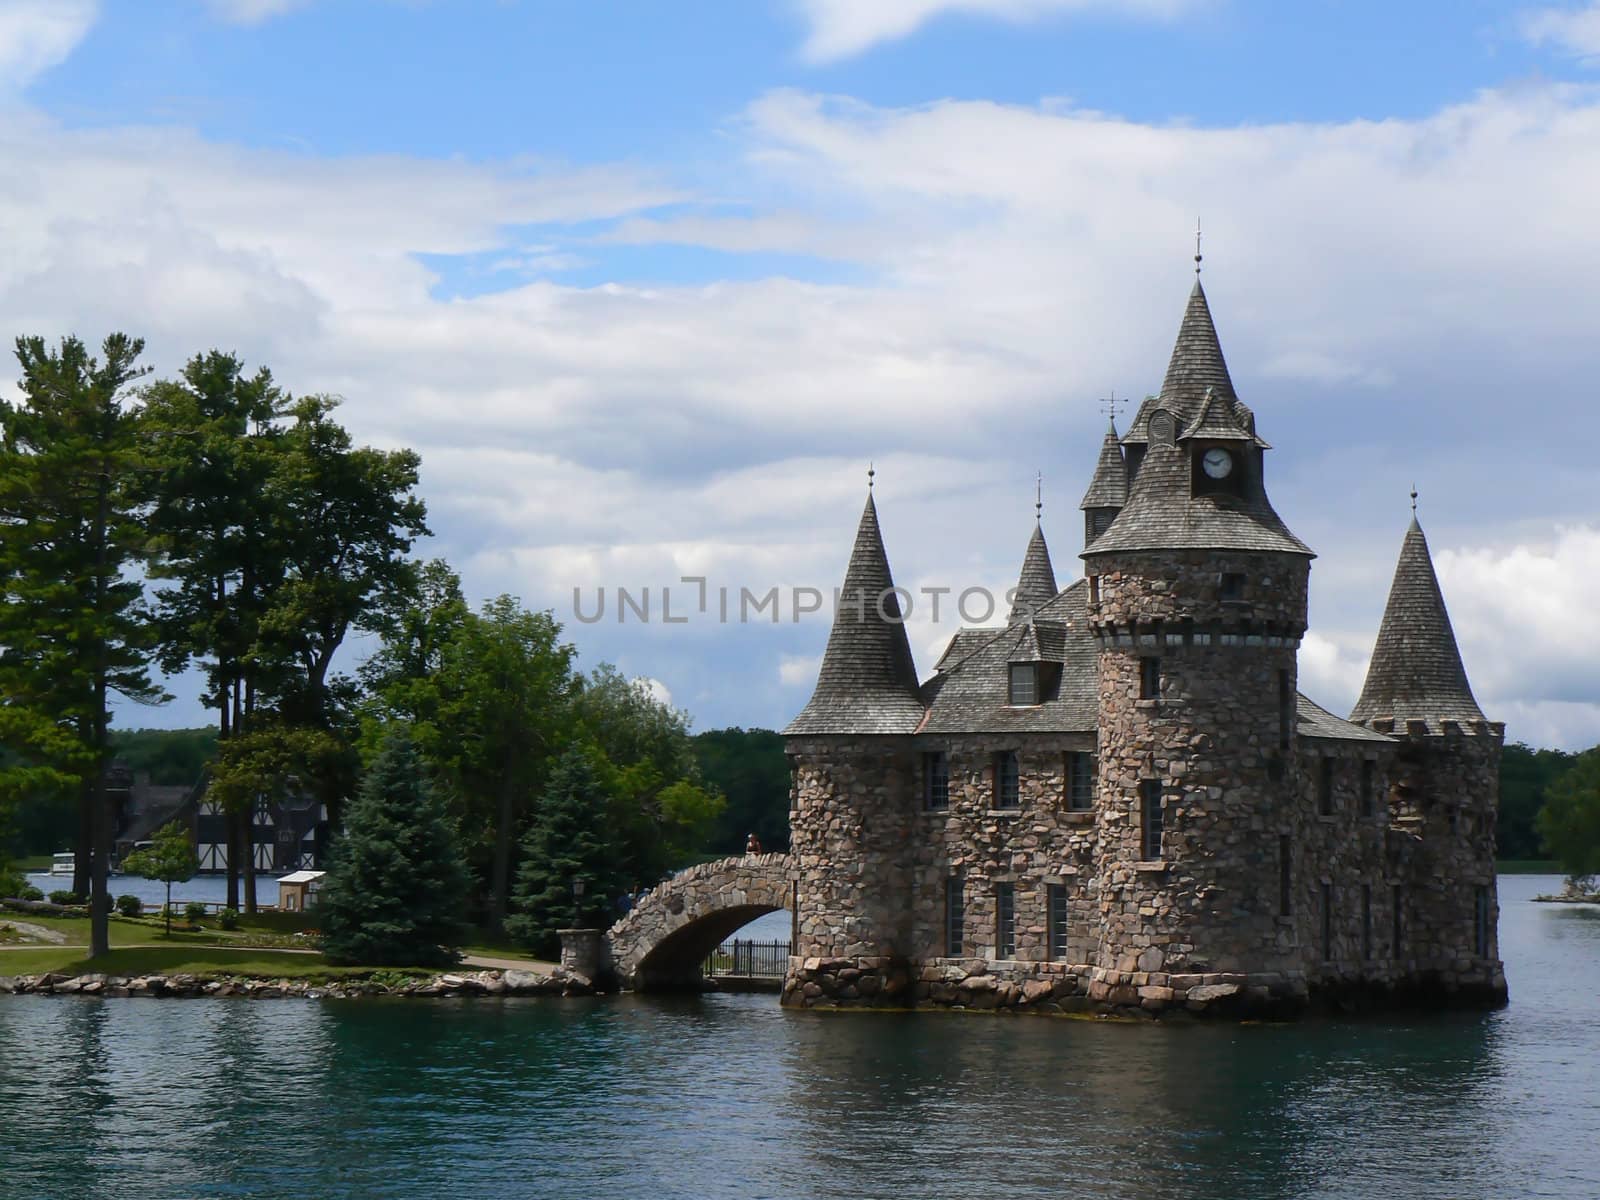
pixel 730 1096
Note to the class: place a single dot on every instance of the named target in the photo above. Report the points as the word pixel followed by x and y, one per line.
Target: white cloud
pixel 1008 264
pixel 1575 31
pixel 36 35
pixel 254 12
pixel 799 670
pixel 842 28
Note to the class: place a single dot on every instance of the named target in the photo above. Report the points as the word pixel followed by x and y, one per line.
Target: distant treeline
pixel 747 766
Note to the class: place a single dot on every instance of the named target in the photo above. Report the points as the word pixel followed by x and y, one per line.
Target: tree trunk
pixel 250 862
pixel 230 820
pixel 100 806
pixel 80 852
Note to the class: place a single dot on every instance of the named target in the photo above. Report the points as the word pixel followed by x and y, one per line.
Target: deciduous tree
pixel 169 858
pixel 1570 819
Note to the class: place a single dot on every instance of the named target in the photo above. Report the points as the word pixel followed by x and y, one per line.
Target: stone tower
pixel 1197 598
pixel 853 784
pixel 1446 785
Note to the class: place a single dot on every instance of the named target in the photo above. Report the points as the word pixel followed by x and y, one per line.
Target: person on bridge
pixel 752 844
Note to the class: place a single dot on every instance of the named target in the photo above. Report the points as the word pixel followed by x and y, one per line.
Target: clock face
pixel 1218 463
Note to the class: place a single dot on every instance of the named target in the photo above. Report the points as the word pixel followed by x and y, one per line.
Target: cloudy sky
pixel 648 285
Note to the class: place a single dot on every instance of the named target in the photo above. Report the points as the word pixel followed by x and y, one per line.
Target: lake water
pixel 730 1096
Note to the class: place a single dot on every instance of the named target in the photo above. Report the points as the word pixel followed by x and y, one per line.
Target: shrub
pixel 130 906
pixel 63 896
pixel 12 884
pixel 193 911
pixel 29 892
pixel 228 918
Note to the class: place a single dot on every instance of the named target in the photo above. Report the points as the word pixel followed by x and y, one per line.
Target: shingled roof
pixel 1161 514
pixel 1036 586
pixel 868 682
pixel 1416 671
pixel 1196 365
pixel 1109 487
pixel 970 692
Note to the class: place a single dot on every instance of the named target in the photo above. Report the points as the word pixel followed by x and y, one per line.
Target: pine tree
pixel 72 628
pixel 396 884
pixel 570 874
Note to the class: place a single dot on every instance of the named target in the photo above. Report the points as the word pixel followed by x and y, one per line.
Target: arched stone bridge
pixel 667 935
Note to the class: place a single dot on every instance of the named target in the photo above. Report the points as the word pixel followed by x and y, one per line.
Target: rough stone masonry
pixel 1120 802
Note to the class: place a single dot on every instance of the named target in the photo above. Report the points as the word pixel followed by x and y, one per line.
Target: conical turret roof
pixel 1195 366
pixel 1109 487
pixel 1416 671
pixel 868 682
pixel 1036 586
pixel 1197 362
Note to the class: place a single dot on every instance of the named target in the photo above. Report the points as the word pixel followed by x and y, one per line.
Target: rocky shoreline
pixel 559 982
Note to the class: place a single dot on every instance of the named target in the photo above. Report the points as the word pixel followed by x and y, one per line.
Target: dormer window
pixel 1024 690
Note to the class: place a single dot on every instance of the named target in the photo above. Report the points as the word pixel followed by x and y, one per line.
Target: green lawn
pixel 1527 866
pixel 34 862
pixel 190 960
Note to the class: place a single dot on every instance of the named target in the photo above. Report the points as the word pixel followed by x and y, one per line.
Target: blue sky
pixel 648 284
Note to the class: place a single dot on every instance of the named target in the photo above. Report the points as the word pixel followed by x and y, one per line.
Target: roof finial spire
pixel 1038 495
pixel 1413 500
pixel 1197 255
pixel 1109 405
pixel 870 474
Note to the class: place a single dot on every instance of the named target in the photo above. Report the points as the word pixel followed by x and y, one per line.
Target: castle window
pixel 1454 815
pixel 1285 710
pixel 1150 819
pixel 1397 912
pixel 1024 684
pixel 1285 876
pixel 1006 777
pixel 1149 678
pixel 1094 589
pixel 1231 590
pixel 1080 781
pixel 1325 787
pixel 935 781
pixel 1057 901
pixel 1327 922
pixel 1368 771
pixel 1366 920
pixel 1480 921
pixel 1005 920
pixel 955 917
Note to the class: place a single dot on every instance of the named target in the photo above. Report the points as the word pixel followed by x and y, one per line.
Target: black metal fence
pixel 740 959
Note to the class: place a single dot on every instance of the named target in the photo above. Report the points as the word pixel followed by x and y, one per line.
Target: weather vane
pixel 1038 495
pixel 1413 499
pixel 870 474
pixel 1197 248
pixel 1110 404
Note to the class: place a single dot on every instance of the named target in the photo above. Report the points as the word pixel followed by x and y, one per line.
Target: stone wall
pixel 666 936
pixel 1212 925
pixel 1219 745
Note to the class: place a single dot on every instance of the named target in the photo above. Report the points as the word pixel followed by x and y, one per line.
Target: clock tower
pixel 1197 599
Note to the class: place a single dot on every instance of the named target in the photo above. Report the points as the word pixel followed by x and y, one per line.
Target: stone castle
pixel 1120 802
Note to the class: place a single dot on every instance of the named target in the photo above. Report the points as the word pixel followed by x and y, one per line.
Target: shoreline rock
pixel 490 982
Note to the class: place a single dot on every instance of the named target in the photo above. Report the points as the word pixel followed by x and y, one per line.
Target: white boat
pixel 63 863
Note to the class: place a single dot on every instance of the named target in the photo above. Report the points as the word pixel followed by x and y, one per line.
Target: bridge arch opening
pixel 676 962
pixel 664 941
